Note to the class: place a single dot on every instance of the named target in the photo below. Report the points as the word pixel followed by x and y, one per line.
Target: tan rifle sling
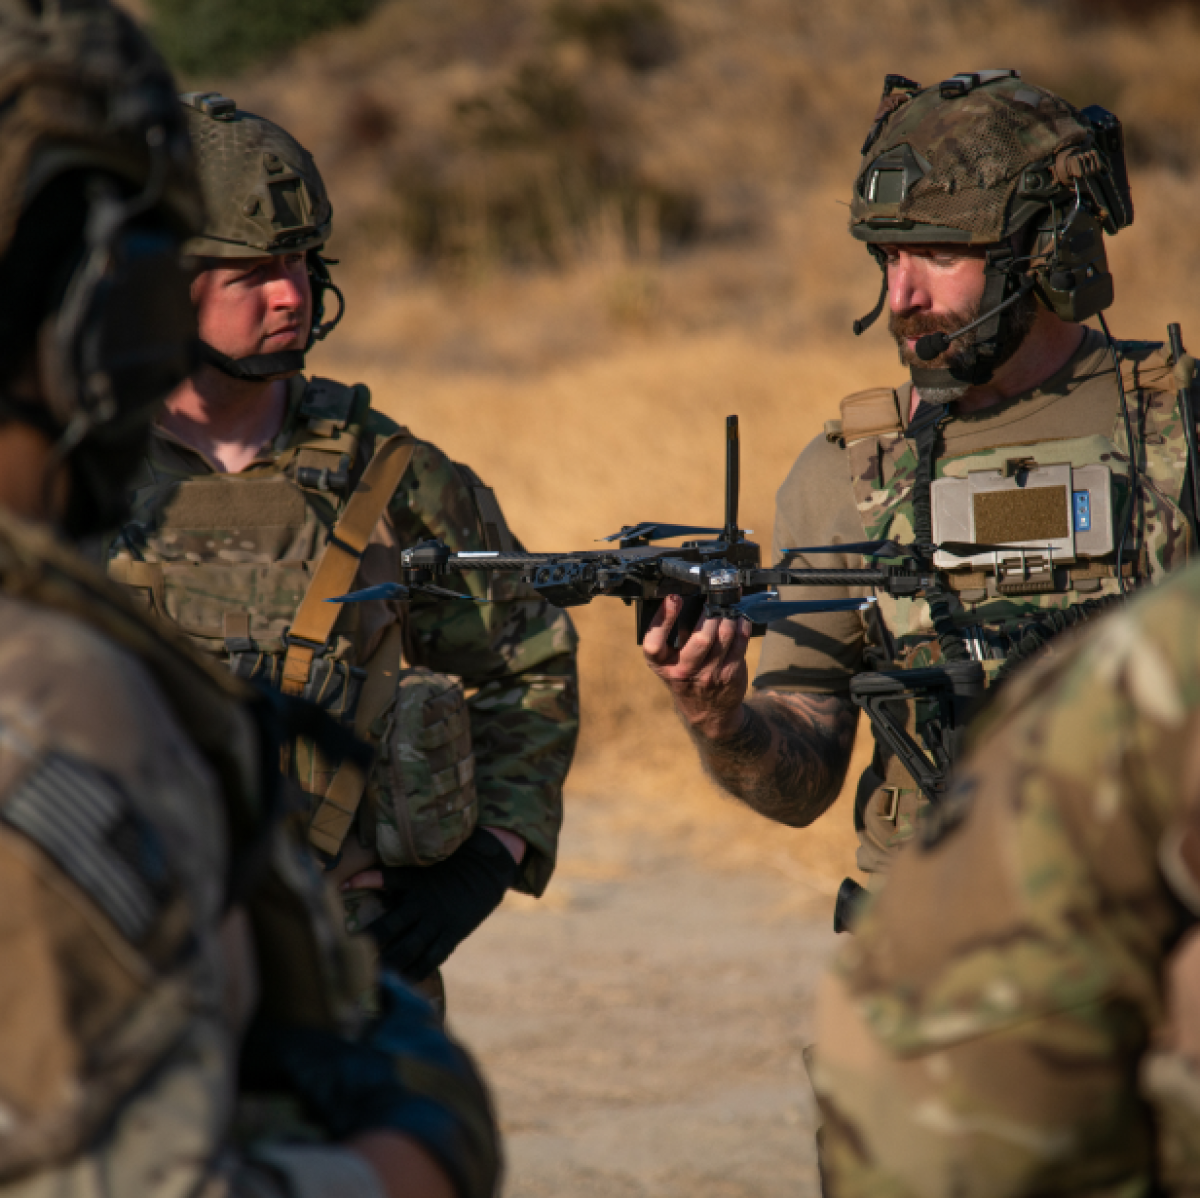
pixel 315 619
pixel 330 823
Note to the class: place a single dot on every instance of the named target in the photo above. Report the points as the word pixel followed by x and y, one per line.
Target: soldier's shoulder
pixel 378 425
pixel 819 464
pixel 870 413
pixel 75 684
pixel 874 412
pixel 432 481
pixel 1149 365
pixel 43 634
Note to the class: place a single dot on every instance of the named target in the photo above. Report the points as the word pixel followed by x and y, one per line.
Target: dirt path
pixel 643 1024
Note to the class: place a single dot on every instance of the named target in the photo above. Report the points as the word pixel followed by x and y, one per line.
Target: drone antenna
pixel 732 480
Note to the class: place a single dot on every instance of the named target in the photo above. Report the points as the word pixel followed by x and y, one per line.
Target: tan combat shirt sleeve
pixel 815 506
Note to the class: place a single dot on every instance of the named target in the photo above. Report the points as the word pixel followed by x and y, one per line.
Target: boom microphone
pixel 932 345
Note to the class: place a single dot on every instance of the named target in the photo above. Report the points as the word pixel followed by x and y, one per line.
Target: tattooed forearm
pixel 789 758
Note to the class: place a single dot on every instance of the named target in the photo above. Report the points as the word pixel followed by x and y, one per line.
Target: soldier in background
pixel 152 906
pixel 985 201
pixel 1018 1012
pixel 265 494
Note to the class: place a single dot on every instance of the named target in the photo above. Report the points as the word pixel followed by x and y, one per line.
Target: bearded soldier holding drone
pixel 265 495
pixel 985 200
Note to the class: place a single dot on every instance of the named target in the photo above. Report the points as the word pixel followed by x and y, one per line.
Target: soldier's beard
pixel 962 356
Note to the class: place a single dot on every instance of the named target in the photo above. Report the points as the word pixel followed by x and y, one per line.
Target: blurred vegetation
pixel 495 133
pixel 638 33
pixel 226 36
pixel 535 161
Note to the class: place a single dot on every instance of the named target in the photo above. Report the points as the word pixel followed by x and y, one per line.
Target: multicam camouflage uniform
pixel 883 468
pixel 969 165
pixel 227 558
pixel 1018 1010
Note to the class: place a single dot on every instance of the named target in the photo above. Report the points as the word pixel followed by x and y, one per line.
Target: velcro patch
pixel 82 819
pixel 1036 513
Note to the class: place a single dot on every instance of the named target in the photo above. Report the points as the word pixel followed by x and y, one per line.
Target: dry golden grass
pixel 593 395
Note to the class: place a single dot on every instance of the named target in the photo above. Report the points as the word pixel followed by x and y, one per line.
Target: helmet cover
pixel 947 163
pixel 87 110
pixel 262 190
pixel 80 87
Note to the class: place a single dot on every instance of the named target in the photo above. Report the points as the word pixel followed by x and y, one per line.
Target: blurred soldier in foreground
pixel 265 494
pixel 150 905
pixel 1019 1011
pixel 985 201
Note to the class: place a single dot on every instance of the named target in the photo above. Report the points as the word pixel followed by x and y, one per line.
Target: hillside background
pixel 575 234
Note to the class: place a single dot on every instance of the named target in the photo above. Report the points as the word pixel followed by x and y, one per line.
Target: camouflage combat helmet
pixel 97 189
pixel 976 158
pixel 81 87
pixel 264 196
pixel 986 159
pixel 262 190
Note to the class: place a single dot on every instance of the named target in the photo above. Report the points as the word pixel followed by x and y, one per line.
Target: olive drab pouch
pixel 422 789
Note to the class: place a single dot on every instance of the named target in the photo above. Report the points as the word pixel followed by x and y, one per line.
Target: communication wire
pixel 1134 483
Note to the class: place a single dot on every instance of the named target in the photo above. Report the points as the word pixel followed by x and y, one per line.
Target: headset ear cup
pixel 318 279
pixel 1074 282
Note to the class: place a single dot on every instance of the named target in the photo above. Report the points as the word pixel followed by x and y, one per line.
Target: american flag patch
pixel 81 818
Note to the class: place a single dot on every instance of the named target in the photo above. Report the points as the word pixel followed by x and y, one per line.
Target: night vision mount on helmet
pixel 264 197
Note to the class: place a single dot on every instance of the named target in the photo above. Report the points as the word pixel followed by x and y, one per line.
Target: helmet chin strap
pixel 255 368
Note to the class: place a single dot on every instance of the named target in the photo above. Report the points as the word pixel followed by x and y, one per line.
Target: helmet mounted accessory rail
pixel 265 198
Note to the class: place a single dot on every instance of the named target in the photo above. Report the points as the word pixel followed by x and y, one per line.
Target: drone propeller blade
pixel 971 548
pixel 385 590
pixel 866 548
pixel 428 588
pixel 766 609
pixel 659 532
pixel 396 590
